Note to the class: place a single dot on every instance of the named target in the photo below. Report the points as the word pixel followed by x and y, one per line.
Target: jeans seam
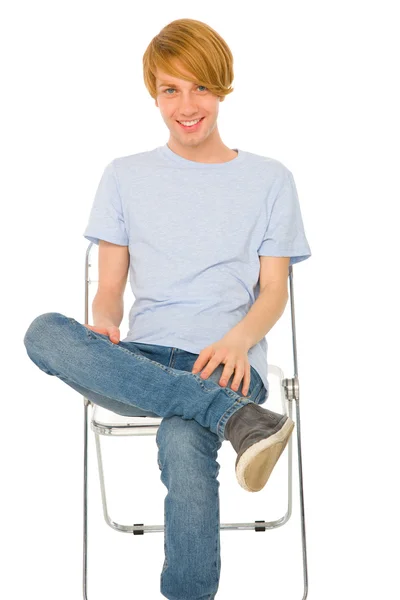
pixel 103 337
pixel 169 370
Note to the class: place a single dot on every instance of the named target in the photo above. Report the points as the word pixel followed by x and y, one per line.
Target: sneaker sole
pixel 256 464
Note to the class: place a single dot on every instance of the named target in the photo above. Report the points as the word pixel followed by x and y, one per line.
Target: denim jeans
pixel 138 379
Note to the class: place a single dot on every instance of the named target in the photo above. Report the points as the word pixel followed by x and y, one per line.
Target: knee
pixel 186 443
pixel 41 326
pixel 39 339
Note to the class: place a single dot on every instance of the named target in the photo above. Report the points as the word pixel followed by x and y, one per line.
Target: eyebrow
pixel 163 83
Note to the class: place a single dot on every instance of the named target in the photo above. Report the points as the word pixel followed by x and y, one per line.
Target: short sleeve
pixel 106 220
pixel 285 235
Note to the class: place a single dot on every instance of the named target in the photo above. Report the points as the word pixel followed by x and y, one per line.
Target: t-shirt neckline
pixel 185 162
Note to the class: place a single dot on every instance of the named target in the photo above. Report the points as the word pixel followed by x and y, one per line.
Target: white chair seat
pixel 107 422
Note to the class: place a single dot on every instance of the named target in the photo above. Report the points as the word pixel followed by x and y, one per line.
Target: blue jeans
pixel 137 379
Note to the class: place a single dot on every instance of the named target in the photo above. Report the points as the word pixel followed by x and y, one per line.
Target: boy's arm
pixel 108 303
pixel 270 304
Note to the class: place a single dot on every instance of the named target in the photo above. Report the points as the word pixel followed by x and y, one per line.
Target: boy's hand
pixel 232 352
pixel 111 330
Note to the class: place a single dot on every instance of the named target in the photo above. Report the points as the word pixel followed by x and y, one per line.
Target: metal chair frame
pixel 125 425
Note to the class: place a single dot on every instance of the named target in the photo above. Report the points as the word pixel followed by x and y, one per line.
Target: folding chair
pixel 105 422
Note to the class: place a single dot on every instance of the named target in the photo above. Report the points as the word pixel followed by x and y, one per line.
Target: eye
pixel 165 91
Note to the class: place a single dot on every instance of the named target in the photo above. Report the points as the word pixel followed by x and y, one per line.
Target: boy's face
pixel 182 100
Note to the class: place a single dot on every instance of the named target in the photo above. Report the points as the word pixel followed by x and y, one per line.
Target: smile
pixel 193 127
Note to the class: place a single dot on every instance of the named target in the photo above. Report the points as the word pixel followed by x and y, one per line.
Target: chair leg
pixel 107 518
pixel 302 516
pixel 291 393
pixel 85 495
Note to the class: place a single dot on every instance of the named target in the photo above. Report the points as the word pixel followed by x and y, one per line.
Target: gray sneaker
pixel 259 436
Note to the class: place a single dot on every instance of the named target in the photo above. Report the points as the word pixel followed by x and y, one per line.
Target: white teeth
pixel 188 123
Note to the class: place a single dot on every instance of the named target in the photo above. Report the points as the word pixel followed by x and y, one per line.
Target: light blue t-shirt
pixel 195 232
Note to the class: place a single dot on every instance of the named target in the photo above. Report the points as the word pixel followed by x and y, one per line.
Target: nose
pixel 188 107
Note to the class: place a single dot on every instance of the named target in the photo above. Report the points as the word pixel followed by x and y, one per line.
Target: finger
pixel 200 361
pixel 96 329
pixel 246 381
pixel 102 330
pixel 211 366
pixel 238 377
pixel 226 374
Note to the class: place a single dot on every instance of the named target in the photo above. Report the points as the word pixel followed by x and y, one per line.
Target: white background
pixel 316 87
